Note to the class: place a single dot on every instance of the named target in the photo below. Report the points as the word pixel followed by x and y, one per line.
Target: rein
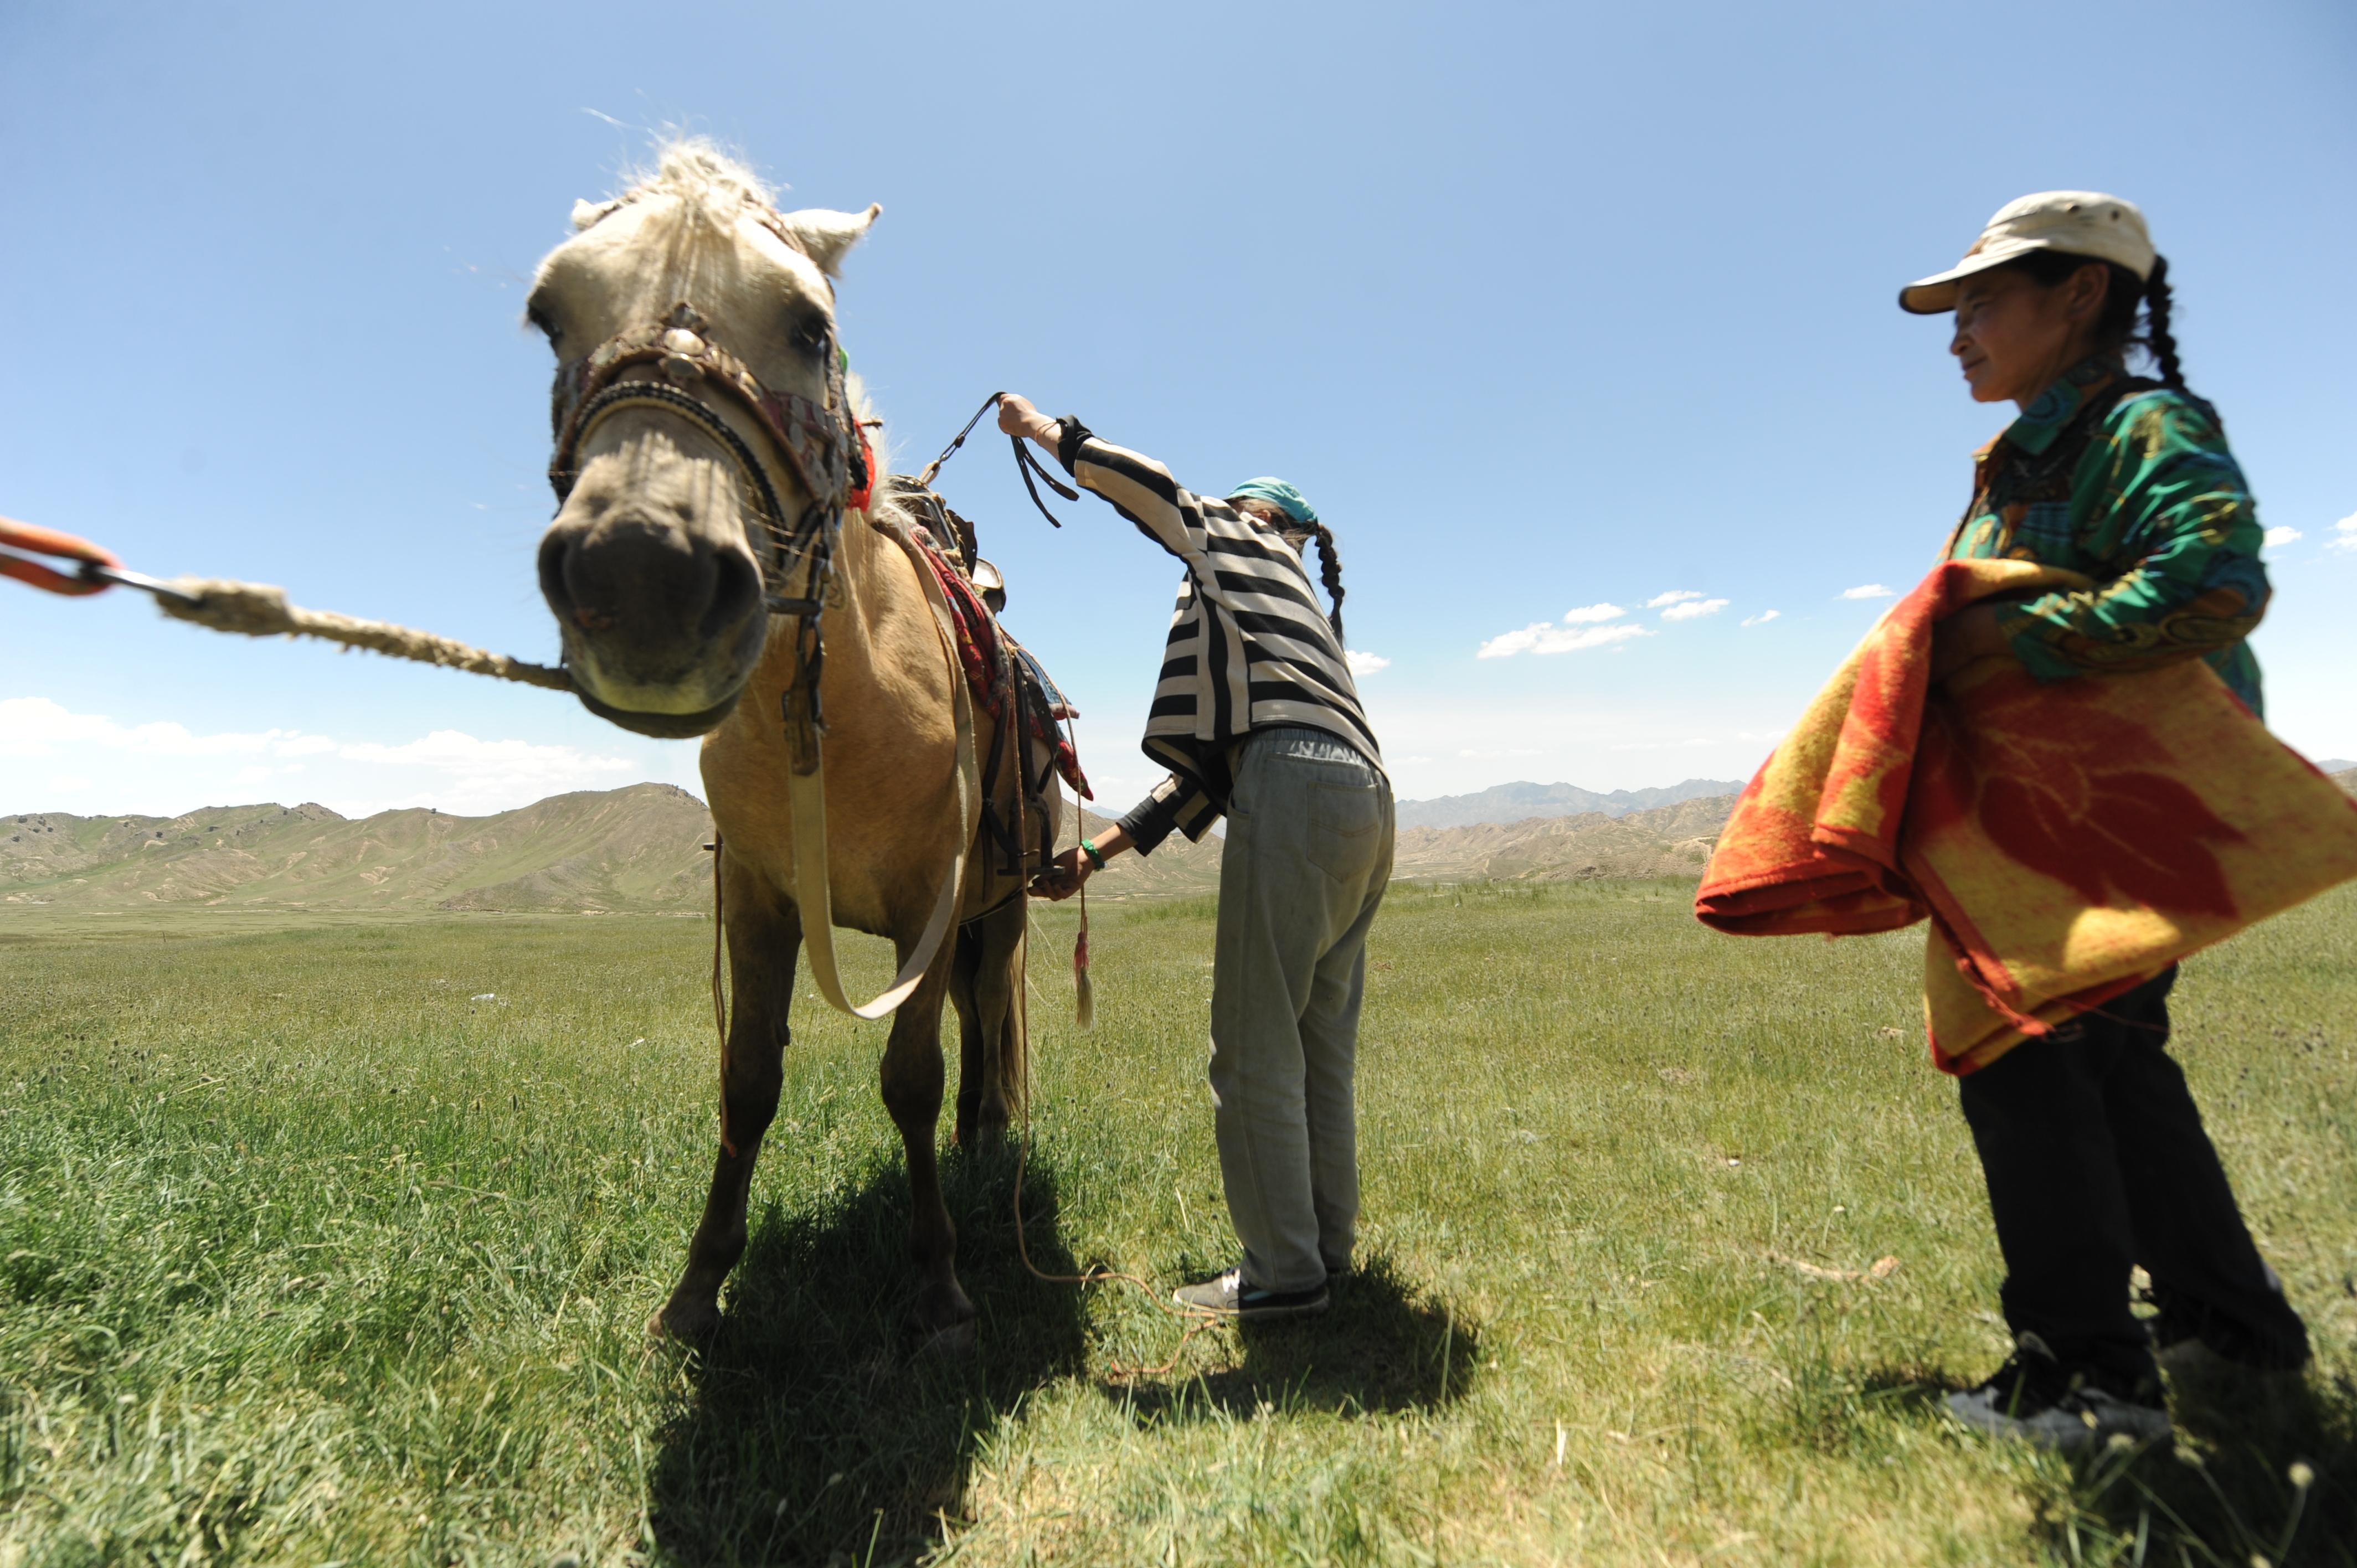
pixel 1025 464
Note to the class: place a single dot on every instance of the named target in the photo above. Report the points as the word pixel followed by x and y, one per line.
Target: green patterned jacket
pixel 2131 484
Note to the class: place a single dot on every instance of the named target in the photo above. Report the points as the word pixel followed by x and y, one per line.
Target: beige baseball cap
pixel 2077 223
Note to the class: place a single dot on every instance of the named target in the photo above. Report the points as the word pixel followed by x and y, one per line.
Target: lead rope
pixel 1084 994
pixel 251 609
pixel 719 993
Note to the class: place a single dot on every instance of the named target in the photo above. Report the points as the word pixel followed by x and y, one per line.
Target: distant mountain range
pixel 1513 802
pixel 1667 841
pixel 640 850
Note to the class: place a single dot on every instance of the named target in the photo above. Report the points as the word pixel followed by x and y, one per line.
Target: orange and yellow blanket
pixel 2067 839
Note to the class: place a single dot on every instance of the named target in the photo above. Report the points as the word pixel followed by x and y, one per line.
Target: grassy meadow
pixel 333 1243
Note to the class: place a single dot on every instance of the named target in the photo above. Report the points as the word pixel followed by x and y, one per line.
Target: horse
pixel 727 562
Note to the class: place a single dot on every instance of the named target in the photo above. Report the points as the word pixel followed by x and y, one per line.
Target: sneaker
pixel 2034 1397
pixel 1228 1297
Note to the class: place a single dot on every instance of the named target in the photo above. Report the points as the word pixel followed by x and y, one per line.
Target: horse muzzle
pixel 662 625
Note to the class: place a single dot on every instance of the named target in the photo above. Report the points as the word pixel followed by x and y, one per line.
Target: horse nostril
pixel 553 552
pixel 736 592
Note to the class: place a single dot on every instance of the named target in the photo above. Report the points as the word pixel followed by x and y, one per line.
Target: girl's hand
pixel 1063 876
pixel 1969 634
pixel 1017 417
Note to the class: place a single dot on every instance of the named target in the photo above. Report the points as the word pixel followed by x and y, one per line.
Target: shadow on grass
pixel 819 1426
pixel 2226 1495
pixel 1376 1349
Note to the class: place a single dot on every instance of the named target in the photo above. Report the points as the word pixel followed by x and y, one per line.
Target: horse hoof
pixel 955 1342
pixel 690 1322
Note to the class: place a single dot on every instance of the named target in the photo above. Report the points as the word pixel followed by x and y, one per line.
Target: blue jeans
pixel 1309 853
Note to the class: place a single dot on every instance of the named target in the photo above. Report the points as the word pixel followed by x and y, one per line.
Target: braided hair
pixel 2116 330
pixel 1329 571
pixel 1329 559
pixel 2158 340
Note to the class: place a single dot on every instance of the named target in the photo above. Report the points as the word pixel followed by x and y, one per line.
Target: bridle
pixel 824 445
pixel 827 449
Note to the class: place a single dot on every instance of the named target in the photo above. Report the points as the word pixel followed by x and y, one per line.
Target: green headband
pixel 1282 496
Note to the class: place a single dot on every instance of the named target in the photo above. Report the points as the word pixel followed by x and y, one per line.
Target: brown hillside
pixel 638 848
pixel 1176 869
pixel 1669 841
pixel 38 845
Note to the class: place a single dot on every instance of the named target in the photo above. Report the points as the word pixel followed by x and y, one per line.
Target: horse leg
pixel 911 1081
pixel 1001 1090
pixel 764 934
pixel 964 975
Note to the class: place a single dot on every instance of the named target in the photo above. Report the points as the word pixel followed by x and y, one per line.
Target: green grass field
pixel 308 1254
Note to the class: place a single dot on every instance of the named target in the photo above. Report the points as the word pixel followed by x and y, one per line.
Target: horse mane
pixel 713 187
pixel 883 504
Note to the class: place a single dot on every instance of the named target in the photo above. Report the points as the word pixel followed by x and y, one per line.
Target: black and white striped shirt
pixel 1249 649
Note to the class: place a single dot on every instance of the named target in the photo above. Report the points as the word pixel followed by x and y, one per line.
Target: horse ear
pixel 827 236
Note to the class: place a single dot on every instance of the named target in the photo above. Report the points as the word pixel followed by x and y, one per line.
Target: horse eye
pixel 540 319
pixel 811 336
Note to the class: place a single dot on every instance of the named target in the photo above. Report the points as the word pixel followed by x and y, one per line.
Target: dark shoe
pixel 1228 1297
pixel 2034 1397
pixel 2191 1337
pixel 2205 1385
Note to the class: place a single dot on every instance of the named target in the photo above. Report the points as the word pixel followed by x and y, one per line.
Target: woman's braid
pixel 2158 335
pixel 1329 571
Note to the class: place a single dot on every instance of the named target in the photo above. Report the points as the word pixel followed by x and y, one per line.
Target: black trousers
pixel 2096 1160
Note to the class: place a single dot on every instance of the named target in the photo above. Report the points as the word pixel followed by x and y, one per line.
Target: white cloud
pixel 2344 533
pixel 1866 591
pixel 1688 609
pixel 1540 637
pixel 1366 663
pixel 103 764
pixel 472 770
pixel 36 727
pixel 2280 536
pixel 1673 597
pixel 1588 614
pixel 1762 619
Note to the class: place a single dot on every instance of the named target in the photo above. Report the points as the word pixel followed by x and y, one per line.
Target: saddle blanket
pixel 983 646
pixel 2068 840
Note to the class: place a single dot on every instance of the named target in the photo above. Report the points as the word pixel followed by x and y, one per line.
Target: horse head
pixel 701 417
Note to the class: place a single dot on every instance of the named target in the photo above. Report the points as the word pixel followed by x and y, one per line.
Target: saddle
pixel 1006 679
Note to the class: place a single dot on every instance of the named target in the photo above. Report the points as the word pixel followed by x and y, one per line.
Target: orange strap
pixel 38 541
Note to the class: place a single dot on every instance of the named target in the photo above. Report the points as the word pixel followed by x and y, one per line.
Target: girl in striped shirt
pixel 1257 718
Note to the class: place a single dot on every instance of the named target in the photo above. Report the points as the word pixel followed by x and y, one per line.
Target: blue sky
pixel 1547 307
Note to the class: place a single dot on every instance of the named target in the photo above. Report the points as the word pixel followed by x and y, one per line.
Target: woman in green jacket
pixel 2095 1154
